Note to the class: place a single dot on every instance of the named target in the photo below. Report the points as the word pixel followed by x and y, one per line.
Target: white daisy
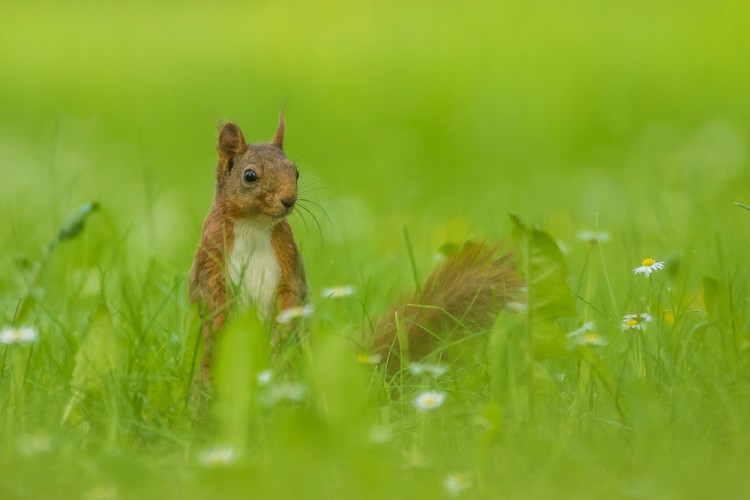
pixel 593 236
pixel 648 266
pixel 635 321
pixel 457 482
pixel 515 306
pixel 431 369
pixel 221 456
pixel 369 359
pixel 18 335
pixel 337 292
pixel 381 434
pixel 264 377
pixel 291 391
pixel 586 335
pixel 287 315
pixel 429 400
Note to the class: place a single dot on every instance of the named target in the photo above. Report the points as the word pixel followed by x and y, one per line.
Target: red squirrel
pixel 247 255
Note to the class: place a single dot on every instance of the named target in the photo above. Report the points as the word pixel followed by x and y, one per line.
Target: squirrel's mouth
pixel 282 213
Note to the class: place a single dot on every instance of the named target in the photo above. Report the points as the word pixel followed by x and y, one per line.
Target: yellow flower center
pixel 632 322
pixel 648 262
pixel 669 318
pixel 591 337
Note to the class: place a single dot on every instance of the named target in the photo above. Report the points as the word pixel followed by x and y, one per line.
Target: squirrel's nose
pixel 289 201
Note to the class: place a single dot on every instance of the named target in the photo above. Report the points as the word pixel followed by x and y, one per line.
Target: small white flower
pixel 369 359
pixel 593 236
pixel 457 482
pixel 291 391
pixel 337 292
pixel 586 335
pixel 264 377
pixel 515 306
pixel 635 321
pixel 431 369
pixel 429 400
pixel 221 456
pixel 648 266
pixel 291 313
pixel 381 434
pixel 18 335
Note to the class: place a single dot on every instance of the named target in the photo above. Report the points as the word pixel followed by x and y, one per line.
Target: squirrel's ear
pixel 278 137
pixel 231 141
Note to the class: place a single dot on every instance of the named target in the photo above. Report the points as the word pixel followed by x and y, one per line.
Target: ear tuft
pixel 278 137
pixel 231 141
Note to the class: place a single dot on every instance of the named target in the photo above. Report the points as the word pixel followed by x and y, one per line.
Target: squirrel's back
pixel 463 294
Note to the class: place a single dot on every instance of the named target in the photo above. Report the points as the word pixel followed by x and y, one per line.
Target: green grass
pixel 437 119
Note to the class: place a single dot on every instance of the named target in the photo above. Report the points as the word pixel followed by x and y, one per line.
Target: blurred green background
pixel 442 116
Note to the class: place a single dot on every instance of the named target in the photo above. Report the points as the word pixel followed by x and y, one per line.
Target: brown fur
pixel 463 294
pixel 269 200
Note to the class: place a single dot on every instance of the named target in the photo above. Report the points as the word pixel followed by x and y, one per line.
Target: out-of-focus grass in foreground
pixel 440 118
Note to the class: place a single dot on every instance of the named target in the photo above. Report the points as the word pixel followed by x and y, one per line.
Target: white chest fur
pixel 253 269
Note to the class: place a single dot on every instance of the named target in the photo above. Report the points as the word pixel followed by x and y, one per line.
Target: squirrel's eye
pixel 250 175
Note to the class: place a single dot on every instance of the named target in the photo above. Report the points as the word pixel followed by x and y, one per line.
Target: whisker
pixel 304 221
pixel 317 222
pixel 312 189
pixel 310 182
pixel 319 207
pixel 319 191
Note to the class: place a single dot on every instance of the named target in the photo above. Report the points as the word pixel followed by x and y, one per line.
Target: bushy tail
pixel 464 294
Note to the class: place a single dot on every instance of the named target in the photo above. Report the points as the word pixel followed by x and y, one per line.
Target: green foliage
pixel 341 384
pixel 549 298
pixel 242 355
pixel 95 361
pixel 436 118
pixel 726 320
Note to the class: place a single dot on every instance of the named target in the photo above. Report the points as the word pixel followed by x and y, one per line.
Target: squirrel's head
pixel 255 181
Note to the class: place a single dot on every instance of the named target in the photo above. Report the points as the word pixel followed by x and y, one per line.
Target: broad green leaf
pixel 549 297
pixel 95 359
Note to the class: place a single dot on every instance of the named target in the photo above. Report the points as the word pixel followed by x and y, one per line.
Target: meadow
pixel 589 137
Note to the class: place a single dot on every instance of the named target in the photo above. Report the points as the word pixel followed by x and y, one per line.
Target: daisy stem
pixel 590 290
pixel 641 366
pixel 17 371
pixel 582 388
pixel 584 370
pixel 616 314
pixel 636 353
